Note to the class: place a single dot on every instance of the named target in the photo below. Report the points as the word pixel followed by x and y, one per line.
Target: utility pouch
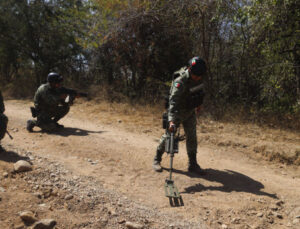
pixel 168 144
pixel 165 120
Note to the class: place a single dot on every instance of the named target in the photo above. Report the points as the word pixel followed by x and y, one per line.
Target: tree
pixel 44 35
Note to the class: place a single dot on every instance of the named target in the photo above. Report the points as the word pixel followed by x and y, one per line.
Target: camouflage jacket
pixel 47 98
pixel 2 107
pixel 180 96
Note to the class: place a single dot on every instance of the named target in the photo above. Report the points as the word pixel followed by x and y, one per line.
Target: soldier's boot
pixel 30 125
pixel 156 161
pixel 193 165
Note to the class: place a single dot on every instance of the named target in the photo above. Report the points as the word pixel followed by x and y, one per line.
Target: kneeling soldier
pixel 49 104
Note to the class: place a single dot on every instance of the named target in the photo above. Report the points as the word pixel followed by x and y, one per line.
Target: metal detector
pixel 171 190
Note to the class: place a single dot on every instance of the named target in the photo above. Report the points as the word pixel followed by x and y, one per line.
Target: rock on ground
pixel 44 224
pixel 132 225
pixel 28 217
pixel 22 166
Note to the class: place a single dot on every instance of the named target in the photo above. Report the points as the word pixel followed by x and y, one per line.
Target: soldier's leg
pixel 45 122
pixel 3 128
pixel 31 123
pixel 161 147
pixel 3 125
pixel 159 152
pixel 60 112
pixel 189 126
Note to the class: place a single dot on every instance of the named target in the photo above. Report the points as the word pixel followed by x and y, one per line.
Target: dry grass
pixel 19 89
pixel 273 144
pixel 133 117
pixel 239 114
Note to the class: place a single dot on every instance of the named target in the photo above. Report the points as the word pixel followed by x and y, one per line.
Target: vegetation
pixel 133 46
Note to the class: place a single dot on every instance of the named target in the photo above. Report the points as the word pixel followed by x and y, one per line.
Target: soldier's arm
pixel 174 99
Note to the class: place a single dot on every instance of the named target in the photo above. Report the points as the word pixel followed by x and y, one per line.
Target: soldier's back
pixel 45 96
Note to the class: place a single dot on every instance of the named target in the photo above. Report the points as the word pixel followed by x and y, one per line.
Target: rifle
pixel 72 94
pixel 171 147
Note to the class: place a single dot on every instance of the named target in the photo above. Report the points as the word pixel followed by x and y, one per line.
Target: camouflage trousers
pixel 47 119
pixel 189 126
pixel 3 125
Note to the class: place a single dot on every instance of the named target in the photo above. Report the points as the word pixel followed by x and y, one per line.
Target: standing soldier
pixel 49 104
pixel 3 119
pixel 185 100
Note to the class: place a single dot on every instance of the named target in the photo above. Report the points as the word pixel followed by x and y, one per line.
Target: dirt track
pixel 107 153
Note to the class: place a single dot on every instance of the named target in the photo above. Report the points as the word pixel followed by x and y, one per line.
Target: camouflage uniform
pixel 3 118
pixel 180 112
pixel 50 106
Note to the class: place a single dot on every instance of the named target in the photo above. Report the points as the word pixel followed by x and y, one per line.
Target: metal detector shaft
pixel 171 190
pixel 171 154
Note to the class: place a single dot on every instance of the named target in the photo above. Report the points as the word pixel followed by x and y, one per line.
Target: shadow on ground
pixel 68 131
pixel 231 182
pixel 11 156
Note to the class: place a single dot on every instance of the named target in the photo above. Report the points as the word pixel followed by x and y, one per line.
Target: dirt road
pixel 112 156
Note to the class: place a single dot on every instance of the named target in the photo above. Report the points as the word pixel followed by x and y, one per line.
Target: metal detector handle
pixel 172 144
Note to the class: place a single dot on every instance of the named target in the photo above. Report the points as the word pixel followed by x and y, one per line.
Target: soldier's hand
pixel 172 127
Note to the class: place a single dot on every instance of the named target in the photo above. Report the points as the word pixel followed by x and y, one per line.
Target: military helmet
pixel 54 77
pixel 197 66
